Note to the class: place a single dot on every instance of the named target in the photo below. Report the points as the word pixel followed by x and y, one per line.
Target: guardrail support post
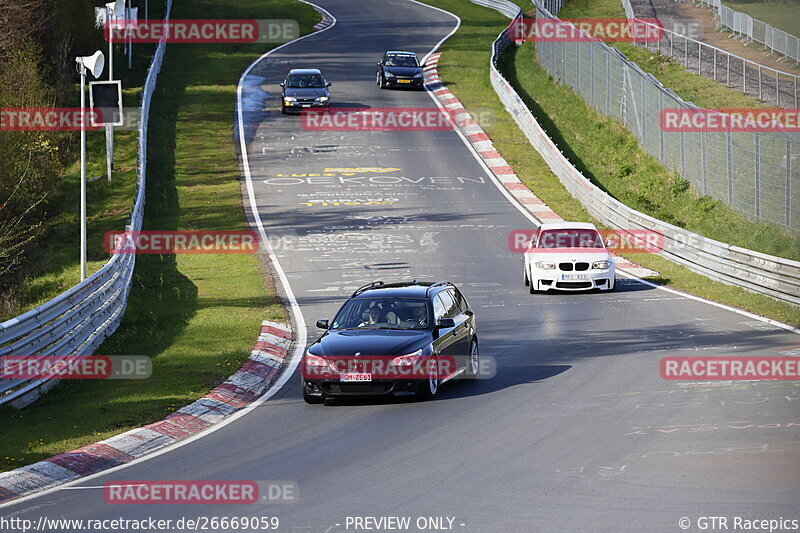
pixel 757 172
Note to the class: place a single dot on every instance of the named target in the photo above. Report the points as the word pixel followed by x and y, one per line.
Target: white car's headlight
pixel 289 99
pixel 601 265
pixel 544 265
pixel 322 99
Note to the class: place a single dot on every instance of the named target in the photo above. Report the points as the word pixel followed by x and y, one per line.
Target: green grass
pixel 52 263
pixel 464 67
pixel 688 85
pixel 196 316
pixel 783 15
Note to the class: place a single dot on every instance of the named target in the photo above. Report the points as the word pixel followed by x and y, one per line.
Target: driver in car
pixel 420 316
pixel 373 317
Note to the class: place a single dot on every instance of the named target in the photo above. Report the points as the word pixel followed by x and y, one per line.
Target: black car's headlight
pixel 418 75
pixel 388 74
pixel 322 99
pixel 289 99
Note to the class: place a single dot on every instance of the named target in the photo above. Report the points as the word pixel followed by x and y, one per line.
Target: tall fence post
pixel 788 183
pixel 757 172
pixel 729 136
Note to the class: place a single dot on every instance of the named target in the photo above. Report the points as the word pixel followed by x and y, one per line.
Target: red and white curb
pixel 239 390
pixel 483 145
pixel 497 164
pixel 324 23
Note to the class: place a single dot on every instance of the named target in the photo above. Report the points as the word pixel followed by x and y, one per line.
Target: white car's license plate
pixel 355 376
pixel 566 277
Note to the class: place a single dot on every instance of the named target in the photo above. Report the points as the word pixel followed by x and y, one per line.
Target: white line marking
pixel 527 214
pixel 295 308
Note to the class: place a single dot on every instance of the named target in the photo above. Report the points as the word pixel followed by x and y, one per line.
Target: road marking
pixel 295 308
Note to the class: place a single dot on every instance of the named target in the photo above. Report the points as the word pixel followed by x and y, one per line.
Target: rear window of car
pixel 570 238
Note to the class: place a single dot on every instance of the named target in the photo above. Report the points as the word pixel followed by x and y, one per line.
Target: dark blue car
pixel 400 69
pixel 393 338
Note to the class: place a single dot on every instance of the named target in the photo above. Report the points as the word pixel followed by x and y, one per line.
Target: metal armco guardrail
pixel 77 321
pixel 762 273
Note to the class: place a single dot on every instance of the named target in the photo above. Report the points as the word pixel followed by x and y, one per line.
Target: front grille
pixel 581 266
pixel 566 267
pixel 573 284
pixel 358 388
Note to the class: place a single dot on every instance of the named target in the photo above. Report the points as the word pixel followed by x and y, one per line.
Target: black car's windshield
pixel 402 61
pixel 383 313
pixel 570 238
pixel 305 81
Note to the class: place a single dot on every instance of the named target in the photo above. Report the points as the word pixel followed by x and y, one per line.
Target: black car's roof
pixel 400 53
pixel 401 290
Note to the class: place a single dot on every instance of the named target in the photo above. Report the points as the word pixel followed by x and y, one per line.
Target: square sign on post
pixel 105 101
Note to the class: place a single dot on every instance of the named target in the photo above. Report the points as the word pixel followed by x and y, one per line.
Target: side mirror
pixel 322 324
pixel 327 84
pixel 445 323
pixel 282 84
pixel 380 63
pixel 424 65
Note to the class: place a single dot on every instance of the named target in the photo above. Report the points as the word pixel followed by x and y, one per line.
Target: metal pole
pixel 744 76
pixel 699 56
pixel 759 81
pixel 130 33
pixel 685 52
pixel 83 174
pixel 109 128
pixel 715 64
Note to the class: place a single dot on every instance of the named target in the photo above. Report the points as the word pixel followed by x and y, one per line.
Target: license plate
pixel 355 376
pixel 306 105
pixel 574 277
pixel 403 81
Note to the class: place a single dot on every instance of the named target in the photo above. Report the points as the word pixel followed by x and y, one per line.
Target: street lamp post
pixel 94 64
pixel 114 10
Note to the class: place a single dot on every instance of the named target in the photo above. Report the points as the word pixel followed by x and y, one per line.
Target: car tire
pixel 474 361
pixel 525 275
pixel 381 81
pixel 311 399
pixel 429 388
pixel 532 286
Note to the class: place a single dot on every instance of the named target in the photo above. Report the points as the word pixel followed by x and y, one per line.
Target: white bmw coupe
pixel 569 256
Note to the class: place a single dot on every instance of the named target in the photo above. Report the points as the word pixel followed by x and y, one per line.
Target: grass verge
pixel 196 316
pixel 464 67
pixel 52 263
pixel 783 15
